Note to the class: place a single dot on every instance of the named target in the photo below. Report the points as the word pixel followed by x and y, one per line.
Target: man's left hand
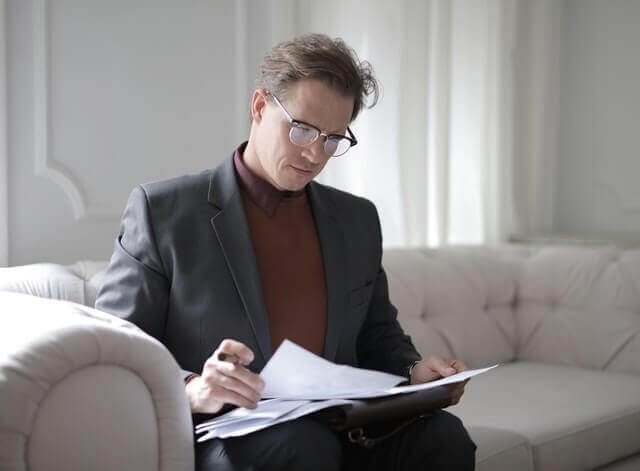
pixel 436 367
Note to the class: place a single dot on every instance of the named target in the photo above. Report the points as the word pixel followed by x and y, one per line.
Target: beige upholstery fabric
pixel 574 418
pixel 571 305
pixel 501 450
pixel 98 411
pixel 80 389
pixel 455 302
pixel 581 306
pixel 78 283
pixel 631 463
pixel 564 320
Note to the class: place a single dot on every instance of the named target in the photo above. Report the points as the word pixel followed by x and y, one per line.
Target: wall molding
pixel 4 147
pixel 45 166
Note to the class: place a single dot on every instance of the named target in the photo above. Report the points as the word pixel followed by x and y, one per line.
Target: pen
pixel 228 357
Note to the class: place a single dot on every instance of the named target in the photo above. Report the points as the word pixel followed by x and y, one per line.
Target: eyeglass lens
pixel 303 136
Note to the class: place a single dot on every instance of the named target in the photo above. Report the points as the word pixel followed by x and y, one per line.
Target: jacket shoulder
pixel 343 202
pixel 194 183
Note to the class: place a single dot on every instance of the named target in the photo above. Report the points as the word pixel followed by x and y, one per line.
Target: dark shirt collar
pixel 261 192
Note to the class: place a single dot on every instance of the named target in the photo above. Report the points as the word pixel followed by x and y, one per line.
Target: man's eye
pixel 307 131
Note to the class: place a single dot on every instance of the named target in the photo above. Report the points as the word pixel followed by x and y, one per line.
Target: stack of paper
pixel 299 383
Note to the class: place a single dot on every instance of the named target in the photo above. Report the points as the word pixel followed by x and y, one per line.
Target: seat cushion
pixel 573 418
pixel 501 450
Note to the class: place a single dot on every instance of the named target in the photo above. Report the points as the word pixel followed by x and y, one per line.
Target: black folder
pixel 359 413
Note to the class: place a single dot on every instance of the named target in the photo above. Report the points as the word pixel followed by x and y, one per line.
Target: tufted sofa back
pixel 570 305
pixel 78 283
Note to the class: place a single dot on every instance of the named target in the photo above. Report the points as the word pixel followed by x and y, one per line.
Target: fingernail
pixel 451 370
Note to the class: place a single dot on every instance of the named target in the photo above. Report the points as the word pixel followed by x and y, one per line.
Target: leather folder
pixel 389 408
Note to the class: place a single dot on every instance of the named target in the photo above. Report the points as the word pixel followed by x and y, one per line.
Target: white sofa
pixel 563 322
pixel 80 389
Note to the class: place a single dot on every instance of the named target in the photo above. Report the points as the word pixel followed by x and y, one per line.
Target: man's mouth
pixel 302 170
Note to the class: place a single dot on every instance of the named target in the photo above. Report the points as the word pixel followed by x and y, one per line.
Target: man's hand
pixel 436 367
pixel 225 380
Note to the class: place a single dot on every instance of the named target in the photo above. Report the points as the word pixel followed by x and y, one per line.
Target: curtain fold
pixel 435 155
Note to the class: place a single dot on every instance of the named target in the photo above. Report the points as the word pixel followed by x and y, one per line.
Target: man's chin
pixel 295 184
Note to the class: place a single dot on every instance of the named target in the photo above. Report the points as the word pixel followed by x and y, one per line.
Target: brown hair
pixel 320 57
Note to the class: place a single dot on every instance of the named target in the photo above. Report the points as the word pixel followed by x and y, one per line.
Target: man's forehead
pixel 313 101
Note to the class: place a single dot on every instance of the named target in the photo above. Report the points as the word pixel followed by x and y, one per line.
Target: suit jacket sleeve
pixel 382 343
pixel 136 285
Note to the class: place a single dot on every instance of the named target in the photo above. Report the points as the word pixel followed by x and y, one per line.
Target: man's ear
pixel 258 104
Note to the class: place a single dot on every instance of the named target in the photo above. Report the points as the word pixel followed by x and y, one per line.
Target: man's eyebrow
pixel 331 133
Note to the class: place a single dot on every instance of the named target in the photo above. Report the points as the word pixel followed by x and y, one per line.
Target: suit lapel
pixel 332 243
pixel 231 228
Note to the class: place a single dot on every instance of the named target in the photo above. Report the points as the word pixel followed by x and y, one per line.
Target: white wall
pixel 598 138
pixel 105 95
pixel 4 158
pixel 102 95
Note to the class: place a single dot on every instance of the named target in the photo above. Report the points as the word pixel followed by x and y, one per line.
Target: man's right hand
pixel 225 381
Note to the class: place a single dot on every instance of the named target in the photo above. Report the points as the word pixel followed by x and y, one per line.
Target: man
pixel 229 262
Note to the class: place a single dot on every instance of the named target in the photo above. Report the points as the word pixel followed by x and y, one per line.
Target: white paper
pixel 289 410
pixel 295 373
pixel 303 383
pixel 457 378
pixel 270 409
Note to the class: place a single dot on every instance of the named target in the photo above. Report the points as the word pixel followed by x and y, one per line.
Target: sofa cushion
pixel 580 306
pixel 501 450
pixel 574 418
pixel 456 301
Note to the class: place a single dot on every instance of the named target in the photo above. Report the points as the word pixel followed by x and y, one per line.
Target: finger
pixel 423 372
pixel 459 365
pixel 228 396
pixel 240 373
pixel 220 384
pixel 442 366
pixel 233 347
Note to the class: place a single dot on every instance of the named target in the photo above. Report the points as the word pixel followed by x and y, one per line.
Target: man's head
pixel 317 56
pixel 313 81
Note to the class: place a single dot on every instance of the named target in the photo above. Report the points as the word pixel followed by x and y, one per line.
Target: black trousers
pixel 436 442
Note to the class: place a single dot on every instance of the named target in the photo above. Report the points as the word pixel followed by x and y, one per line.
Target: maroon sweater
pixel 289 260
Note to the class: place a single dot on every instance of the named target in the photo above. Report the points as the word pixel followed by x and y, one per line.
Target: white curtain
pixel 435 154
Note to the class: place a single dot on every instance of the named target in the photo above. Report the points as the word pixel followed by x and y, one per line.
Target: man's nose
pixel 315 152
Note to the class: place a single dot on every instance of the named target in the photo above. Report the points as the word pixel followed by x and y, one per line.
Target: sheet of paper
pixel 302 383
pixel 248 424
pixel 295 373
pixel 457 378
pixel 270 409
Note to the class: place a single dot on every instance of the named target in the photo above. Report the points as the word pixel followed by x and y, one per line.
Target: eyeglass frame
pixel 293 122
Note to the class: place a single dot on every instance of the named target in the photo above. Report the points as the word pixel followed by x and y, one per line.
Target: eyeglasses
pixel 304 134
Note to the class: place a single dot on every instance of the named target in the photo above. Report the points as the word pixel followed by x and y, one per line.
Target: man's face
pixel 273 157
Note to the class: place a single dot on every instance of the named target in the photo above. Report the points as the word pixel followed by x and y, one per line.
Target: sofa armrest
pixel 80 389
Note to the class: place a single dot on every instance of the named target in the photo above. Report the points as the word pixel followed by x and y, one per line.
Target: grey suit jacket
pixel 184 270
